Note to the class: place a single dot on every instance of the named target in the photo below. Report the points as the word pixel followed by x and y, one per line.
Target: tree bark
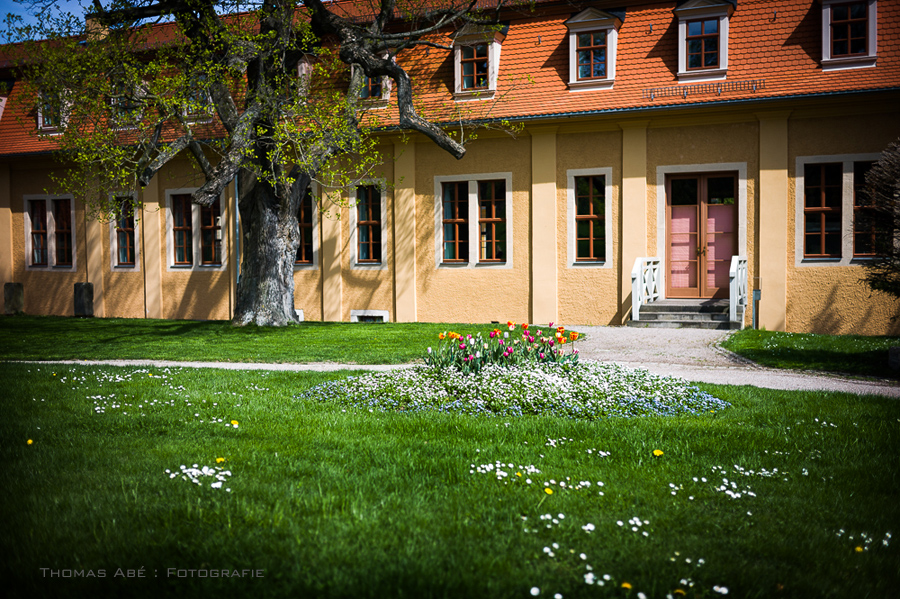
pixel 270 237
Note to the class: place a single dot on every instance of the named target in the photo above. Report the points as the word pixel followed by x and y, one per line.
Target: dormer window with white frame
pixel 703 39
pixel 476 62
pixel 199 105
pixel 375 91
pixel 51 114
pixel 849 34
pixel 304 74
pixel 593 38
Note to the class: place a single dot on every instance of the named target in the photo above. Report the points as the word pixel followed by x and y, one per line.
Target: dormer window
pixel 703 39
pixel 593 37
pixel 849 34
pixel 124 109
pixel 199 106
pixel 304 74
pixel 476 58
pixel 375 91
pixel 50 115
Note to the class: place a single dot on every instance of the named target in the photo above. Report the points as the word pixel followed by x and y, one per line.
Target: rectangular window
pixel 62 217
pixel 125 233
pixel 702 44
pixel 492 220
pixel 368 224
pixel 863 215
pixel 591 55
pixel 456 221
pixel 305 223
pixel 849 25
pixel 822 210
pixel 38 211
pixel 182 229
pixel 474 65
pixel 590 219
pixel 211 235
pixel 372 88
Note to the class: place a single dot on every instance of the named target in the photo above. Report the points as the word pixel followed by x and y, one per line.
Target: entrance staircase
pixel 686 314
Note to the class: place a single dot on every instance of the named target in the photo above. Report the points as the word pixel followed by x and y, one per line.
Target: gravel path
pixel 693 354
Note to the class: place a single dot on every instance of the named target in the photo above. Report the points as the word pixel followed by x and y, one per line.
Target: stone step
pixel 673 315
pixel 685 324
pixel 665 307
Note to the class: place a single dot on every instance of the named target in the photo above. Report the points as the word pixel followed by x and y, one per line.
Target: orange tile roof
pixel 783 51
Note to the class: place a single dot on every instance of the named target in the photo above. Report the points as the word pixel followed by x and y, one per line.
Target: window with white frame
pixel 124 234
pixel 831 228
pixel 473 216
pixel 589 217
pixel 198 106
pixel 368 227
pixel 49 232
pixel 307 221
pixel 476 61
pixel 51 113
pixel 593 38
pixel 375 91
pixel 304 74
pixel 703 39
pixel 849 34
pixel 124 107
pixel 195 234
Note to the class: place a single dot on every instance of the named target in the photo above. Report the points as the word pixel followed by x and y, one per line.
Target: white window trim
pixel 114 239
pixel 472 36
pixel 850 62
pixel 51 232
pixel 571 174
pixel 663 171
pixel 847 161
pixel 703 9
pixel 381 184
pixel 195 235
pixel 304 74
pixel 315 233
pixel 52 129
pixel 384 314
pixel 590 20
pixel 384 99
pixel 474 252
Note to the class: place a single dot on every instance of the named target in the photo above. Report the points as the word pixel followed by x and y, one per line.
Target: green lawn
pixel 59 338
pixel 332 503
pixel 850 354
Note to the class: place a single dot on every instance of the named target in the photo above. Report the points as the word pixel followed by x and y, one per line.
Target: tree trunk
pixel 265 291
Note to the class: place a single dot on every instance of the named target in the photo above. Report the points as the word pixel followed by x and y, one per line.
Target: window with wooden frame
pixel 124 234
pixel 703 39
pixel 62 219
pixel 849 34
pixel 702 44
pixel 591 52
pixel 590 219
pixel 50 113
pixel 305 224
pixel 211 235
pixel 368 224
pixel 822 210
pixel 474 63
pixel 863 215
pixel 182 230
pixel 492 220
pixel 39 252
pixel 372 88
pixel 593 36
pixel 455 221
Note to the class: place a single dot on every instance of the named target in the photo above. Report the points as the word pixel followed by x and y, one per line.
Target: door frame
pixel 662 173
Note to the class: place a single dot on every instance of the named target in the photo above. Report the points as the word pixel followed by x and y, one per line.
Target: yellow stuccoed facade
pixel 767 147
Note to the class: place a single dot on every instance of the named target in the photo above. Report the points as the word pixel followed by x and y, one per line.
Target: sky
pixel 9 6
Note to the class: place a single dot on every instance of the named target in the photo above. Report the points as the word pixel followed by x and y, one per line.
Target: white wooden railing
pixel 645 281
pixel 737 288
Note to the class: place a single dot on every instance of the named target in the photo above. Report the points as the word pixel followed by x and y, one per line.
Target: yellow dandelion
pixel 234 422
pixel 29 442
pixel 548 491
pixel 859 549
pixel 657 452
pixel 518 474
pixel 680 592
pixel 626 585
pixel 219 460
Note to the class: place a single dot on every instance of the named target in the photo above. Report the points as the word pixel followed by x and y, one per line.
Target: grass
pixel 60 338
pixel 327 501
pixel 848 354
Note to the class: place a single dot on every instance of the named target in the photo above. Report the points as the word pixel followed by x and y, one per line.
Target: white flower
pixel 589 578
pixel 535 591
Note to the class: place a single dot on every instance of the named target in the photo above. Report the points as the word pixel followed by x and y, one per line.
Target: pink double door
pixel 701 234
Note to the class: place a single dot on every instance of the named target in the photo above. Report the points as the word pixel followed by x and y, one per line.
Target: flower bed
pixel 585 391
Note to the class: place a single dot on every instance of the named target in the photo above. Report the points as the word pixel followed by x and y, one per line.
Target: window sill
pixel 369 266
pixel 459 264
pixel 370 104
pixel 853 62
pixel 702 75
pixel 589 264
pixel 305 266
pixel 585 85
pixel 475 94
